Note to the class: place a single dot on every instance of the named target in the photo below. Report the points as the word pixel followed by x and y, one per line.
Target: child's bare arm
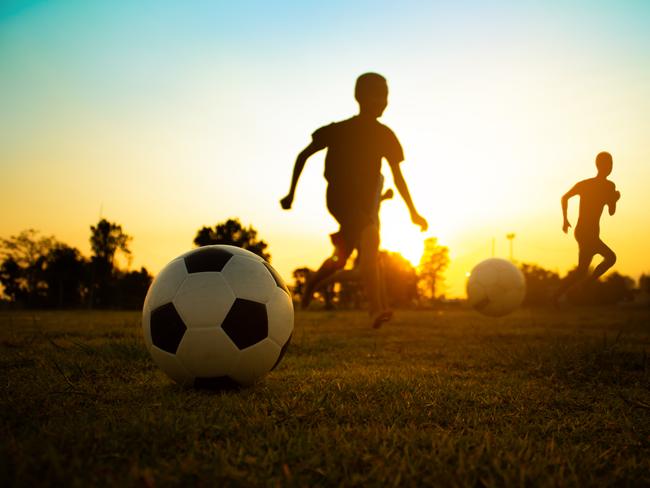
pixel 400 183
pixel 297 170
pixel 565 203
pixel 616 195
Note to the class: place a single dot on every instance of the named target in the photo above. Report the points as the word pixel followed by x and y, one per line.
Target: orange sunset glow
pixel 168 123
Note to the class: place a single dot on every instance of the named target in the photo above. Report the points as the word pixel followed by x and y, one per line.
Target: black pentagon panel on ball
pixel 217 383
pixel 246 323
pixel 282 352
pixel 207 259
pixel 167 328
pixel 278 279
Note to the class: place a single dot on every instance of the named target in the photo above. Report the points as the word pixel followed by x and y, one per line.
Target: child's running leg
pixel 584 260
pixel 340 276
pixel 609 258
pixel 330 266
pixel 370 275
pixel 383 292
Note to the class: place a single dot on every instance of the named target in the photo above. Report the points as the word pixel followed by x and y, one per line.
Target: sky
pixel 167 116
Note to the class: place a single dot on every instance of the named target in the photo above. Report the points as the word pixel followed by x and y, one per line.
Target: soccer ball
pixel 217 317
pixel 495 287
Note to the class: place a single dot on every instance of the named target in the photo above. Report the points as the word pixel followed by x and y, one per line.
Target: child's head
pixel 371 91
pixel 604 163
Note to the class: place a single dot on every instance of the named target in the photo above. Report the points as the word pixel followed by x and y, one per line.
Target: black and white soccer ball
pixel 217 317
pixel 495 287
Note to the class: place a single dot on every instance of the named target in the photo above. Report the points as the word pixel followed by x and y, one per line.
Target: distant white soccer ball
pixel 495 287
pixel 217 317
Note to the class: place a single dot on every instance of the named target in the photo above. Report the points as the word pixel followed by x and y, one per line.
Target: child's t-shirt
pixel 355 148
pixel 594 193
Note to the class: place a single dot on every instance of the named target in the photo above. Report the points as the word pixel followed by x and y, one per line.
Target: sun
pixel 398 234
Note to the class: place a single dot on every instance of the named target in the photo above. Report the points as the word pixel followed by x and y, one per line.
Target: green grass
pixel 434 398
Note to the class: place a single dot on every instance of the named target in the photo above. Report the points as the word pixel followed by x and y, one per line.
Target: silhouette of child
pixel 595 193
pixel 355 149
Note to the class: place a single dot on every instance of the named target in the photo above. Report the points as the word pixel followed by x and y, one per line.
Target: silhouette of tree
pixel 644 283
pixel 41 272
pixel 300 276
pixel 106 239
pixel 231 232
pixel 540 284
pixel 13 282
pixel 433 264
pixel 131 288
pixel 400 279
pixel 616 288
pixel 24 260
pixel 66 277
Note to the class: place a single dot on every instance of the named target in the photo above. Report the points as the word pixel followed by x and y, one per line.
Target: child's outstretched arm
pixel 565 203
pixel 297 169
pixel 400 183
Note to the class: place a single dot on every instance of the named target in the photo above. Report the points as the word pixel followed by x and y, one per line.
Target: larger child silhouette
pixel 355 149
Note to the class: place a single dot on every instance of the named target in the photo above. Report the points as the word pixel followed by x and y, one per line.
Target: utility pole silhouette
pixel 511 238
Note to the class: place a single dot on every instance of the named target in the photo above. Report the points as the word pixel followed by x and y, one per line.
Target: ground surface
pixel 537 398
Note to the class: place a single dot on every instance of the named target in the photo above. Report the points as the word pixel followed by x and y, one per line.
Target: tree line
pixel 615 288
pixel 423 285
pixel 41 272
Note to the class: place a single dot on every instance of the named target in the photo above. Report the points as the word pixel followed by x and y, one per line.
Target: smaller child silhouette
pixel 595 193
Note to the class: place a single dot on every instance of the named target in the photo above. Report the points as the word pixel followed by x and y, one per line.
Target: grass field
pixel 434 398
